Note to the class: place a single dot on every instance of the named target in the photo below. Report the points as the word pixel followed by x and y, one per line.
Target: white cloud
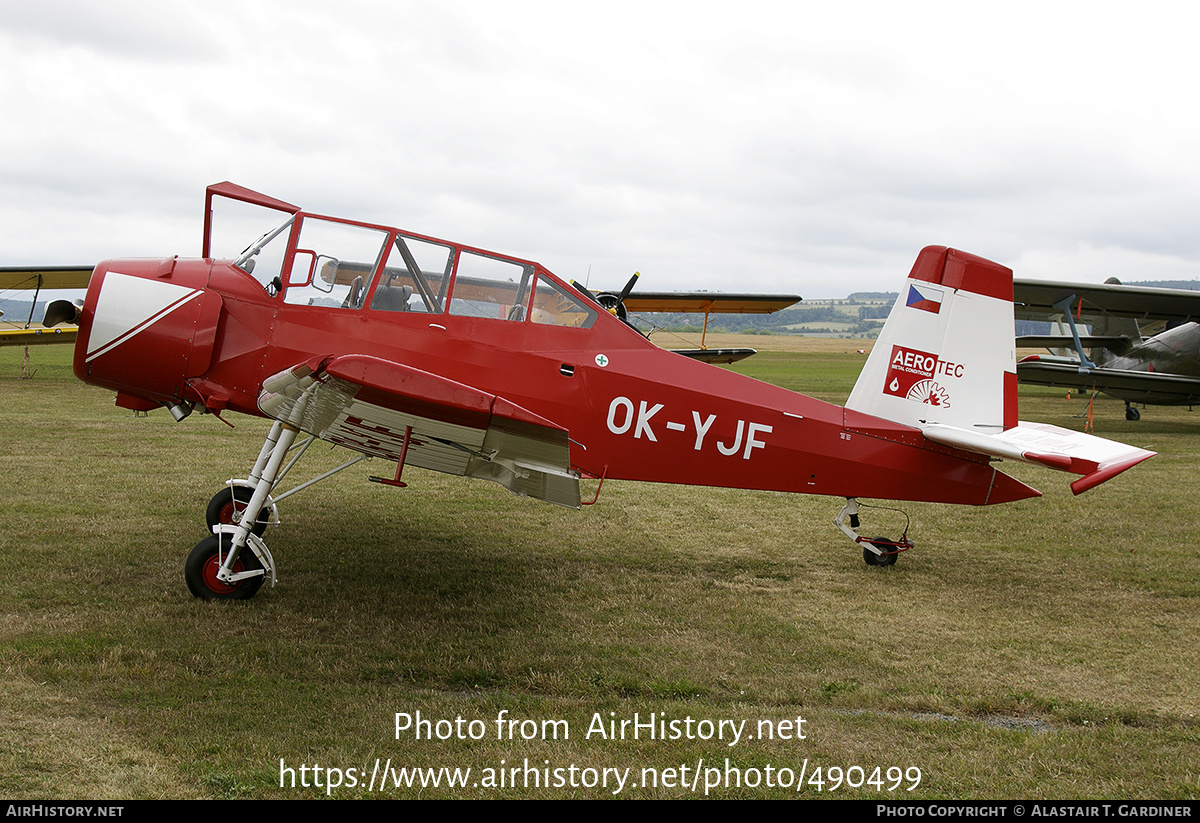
pixel 787 146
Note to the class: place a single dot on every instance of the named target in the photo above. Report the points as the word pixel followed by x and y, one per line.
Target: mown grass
pixel 1041 649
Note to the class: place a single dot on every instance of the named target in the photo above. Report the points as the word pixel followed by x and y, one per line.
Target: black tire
pixel 225 509
pixel 1132 414
pixel 885 545
pixel 200 572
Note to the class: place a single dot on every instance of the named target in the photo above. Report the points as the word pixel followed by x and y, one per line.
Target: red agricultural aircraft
pixel 430 353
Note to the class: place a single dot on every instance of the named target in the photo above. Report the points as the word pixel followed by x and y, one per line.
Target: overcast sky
pixel 751 146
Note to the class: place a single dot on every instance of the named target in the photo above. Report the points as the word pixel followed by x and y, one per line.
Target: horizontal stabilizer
pixel 1095 458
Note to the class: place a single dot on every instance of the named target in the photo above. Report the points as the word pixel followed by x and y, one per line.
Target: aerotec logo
pixel 911 374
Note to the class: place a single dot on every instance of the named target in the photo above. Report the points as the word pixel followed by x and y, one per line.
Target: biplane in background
pixel 50 278
pixel 1117 358
pixel 431 353
pixel 623 303
pixel 38 280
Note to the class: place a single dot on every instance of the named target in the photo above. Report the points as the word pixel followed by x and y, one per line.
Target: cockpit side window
pixel 555 306
pixel 333 264
pixel 415 276
pixel 491 287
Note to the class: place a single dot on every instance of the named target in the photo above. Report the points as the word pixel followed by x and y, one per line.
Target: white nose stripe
pixel 128 304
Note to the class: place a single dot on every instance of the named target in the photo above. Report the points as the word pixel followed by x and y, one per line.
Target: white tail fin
pixel 945 363
pixel 947 352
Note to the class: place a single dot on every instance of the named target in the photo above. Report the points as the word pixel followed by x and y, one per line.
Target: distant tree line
pixel 17 311
pixel 1187 285
pixel 874 312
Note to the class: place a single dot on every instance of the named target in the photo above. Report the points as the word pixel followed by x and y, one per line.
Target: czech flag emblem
pixel 925 299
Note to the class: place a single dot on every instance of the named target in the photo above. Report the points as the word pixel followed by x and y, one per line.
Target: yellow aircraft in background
pixel 37 279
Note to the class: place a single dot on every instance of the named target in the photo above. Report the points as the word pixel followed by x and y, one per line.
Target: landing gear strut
pixel 234 562
pixel 216 566
pixel 877 551
pixel 227 506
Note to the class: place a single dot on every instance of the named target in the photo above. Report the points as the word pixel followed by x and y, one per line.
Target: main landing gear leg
pixel 229 504
pixel 877 551
pixel 219 568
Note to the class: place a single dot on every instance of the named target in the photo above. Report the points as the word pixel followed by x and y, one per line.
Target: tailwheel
pixel 890 551
pixel 877 551
pixel 204 562
pixel 1132 414
pixel 227 505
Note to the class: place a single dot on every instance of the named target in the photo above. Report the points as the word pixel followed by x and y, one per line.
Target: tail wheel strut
pixel 877 551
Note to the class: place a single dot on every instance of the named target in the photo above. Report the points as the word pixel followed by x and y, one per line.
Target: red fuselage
pixel 205 331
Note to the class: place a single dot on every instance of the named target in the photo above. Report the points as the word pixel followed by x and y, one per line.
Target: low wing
pixel 1158 387
pixel 709 302
pixel 717 355
pixel 367 404
pixel 34 337
pixel 1035 299
pixel 1095 458
pixel 45 277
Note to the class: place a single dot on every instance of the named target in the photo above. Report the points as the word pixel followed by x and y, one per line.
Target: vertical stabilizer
pixel 947 352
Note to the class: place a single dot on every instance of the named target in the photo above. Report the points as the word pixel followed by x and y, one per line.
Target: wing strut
pixel 1064 306
pixel 399 463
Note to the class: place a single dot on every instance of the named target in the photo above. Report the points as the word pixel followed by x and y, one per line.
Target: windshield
pixel 263 259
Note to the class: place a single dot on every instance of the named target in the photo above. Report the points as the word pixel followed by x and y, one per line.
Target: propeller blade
pixel 628 287
pixel 584 289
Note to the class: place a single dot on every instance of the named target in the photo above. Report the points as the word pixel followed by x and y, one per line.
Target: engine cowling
pixel 147 326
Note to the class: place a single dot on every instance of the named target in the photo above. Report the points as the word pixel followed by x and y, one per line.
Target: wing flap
pixel 368 404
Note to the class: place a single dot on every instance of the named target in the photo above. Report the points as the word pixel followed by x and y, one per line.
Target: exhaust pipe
pixel 180 410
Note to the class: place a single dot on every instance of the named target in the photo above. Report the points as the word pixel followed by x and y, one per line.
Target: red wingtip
pixel 1107 472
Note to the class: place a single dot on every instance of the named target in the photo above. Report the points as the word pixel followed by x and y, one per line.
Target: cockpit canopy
pixel 330 263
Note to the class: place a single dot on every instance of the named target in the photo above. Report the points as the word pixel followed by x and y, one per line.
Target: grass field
pixel 1043 649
